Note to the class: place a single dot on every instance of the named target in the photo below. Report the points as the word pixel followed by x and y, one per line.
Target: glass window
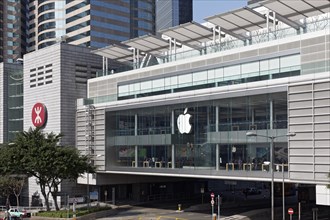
pixel 123 90
pixel 290 61
pixel 174 81
pixel 145 86
pixel 11 17
pixel 108 25
pixel 167 83
pixel 158 84
pixel 10 8
pixel 200 78
pixel 137 87
pixel 211 75
pixel 114 6
pixel 250 68
pixel 232 70
pixel 185 80
pixel 274 64
pixel 218 74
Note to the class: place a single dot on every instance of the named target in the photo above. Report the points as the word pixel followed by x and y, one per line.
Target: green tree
pixel 16 184
pixel 37 154
pixel 5 190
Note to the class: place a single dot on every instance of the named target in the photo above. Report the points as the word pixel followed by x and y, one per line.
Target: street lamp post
pixel 271 165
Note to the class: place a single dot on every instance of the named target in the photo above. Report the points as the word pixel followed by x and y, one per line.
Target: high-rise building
pixel 170 13
pixel 31 25
pixel 13 30
pixel 89 23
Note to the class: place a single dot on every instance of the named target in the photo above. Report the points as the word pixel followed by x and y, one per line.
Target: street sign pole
pixel 290 212
pixel 218 207
pixel 212 204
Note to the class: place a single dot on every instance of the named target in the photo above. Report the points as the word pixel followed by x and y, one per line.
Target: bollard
pixel 214 217
pixel 315 215
pixel 179 207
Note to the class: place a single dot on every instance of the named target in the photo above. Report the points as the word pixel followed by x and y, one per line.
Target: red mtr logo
pixel 39 115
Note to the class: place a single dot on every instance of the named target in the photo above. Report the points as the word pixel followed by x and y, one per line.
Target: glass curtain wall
pixel 15 102
pixel 149 137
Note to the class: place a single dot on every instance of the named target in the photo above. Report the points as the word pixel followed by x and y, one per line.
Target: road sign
pixel 94 195
pixel 290 211
pixel 76 200
pixel 212 195
pixel 212 202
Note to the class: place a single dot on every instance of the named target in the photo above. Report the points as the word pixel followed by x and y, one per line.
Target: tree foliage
pixel 37 154
pixel 12 184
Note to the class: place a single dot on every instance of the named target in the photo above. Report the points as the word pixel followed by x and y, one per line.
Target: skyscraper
pixel 171 13
pixel 94 23
pixel 13 30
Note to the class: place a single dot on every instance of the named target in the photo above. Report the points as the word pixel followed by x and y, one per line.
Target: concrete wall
pixel 61 72
pixel 57 76
pixel 309 118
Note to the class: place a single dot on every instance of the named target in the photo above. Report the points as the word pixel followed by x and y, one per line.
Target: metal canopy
pixel 149 44
pixel 115 52
pixel 238 22
pixel 297 9
pixel 191 34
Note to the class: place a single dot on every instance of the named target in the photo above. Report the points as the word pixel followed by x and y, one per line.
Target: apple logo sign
pixel 184 123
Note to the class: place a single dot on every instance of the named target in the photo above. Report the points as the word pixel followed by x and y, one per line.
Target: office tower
pixel 13 30
pixel 170 13
pixel 93 24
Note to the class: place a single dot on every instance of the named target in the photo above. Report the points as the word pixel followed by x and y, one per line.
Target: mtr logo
pixel 39 115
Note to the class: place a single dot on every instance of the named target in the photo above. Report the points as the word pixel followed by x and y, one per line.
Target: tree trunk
pixel 17 200
pixel 54 195
pixel 46 196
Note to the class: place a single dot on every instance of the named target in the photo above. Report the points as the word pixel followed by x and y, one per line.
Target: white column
pixel 172 132
pixel 136 156
pixel 106 65
pixel 217 158
pixel 172 122
pixel 271 120
pixel 135 133
pixel 103 65
pixel 135 124
pixel 213 38
pixel 134 59
pixel 217 149
pixel 173 156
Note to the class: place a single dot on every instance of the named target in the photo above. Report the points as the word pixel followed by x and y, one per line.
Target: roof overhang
pixel 239 22
pixel 191 34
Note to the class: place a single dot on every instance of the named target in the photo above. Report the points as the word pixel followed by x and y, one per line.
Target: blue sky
pixel 206 8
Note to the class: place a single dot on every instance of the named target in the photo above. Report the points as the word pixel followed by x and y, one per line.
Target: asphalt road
pixel 254 207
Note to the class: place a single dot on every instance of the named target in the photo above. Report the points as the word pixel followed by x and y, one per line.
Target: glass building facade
pixel 149 134
pixel 11 101
pixel 13 30
pixel 173 12
pixel 15 102
pixel 88 23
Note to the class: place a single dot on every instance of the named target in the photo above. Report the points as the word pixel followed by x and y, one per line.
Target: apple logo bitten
pixel 183 122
